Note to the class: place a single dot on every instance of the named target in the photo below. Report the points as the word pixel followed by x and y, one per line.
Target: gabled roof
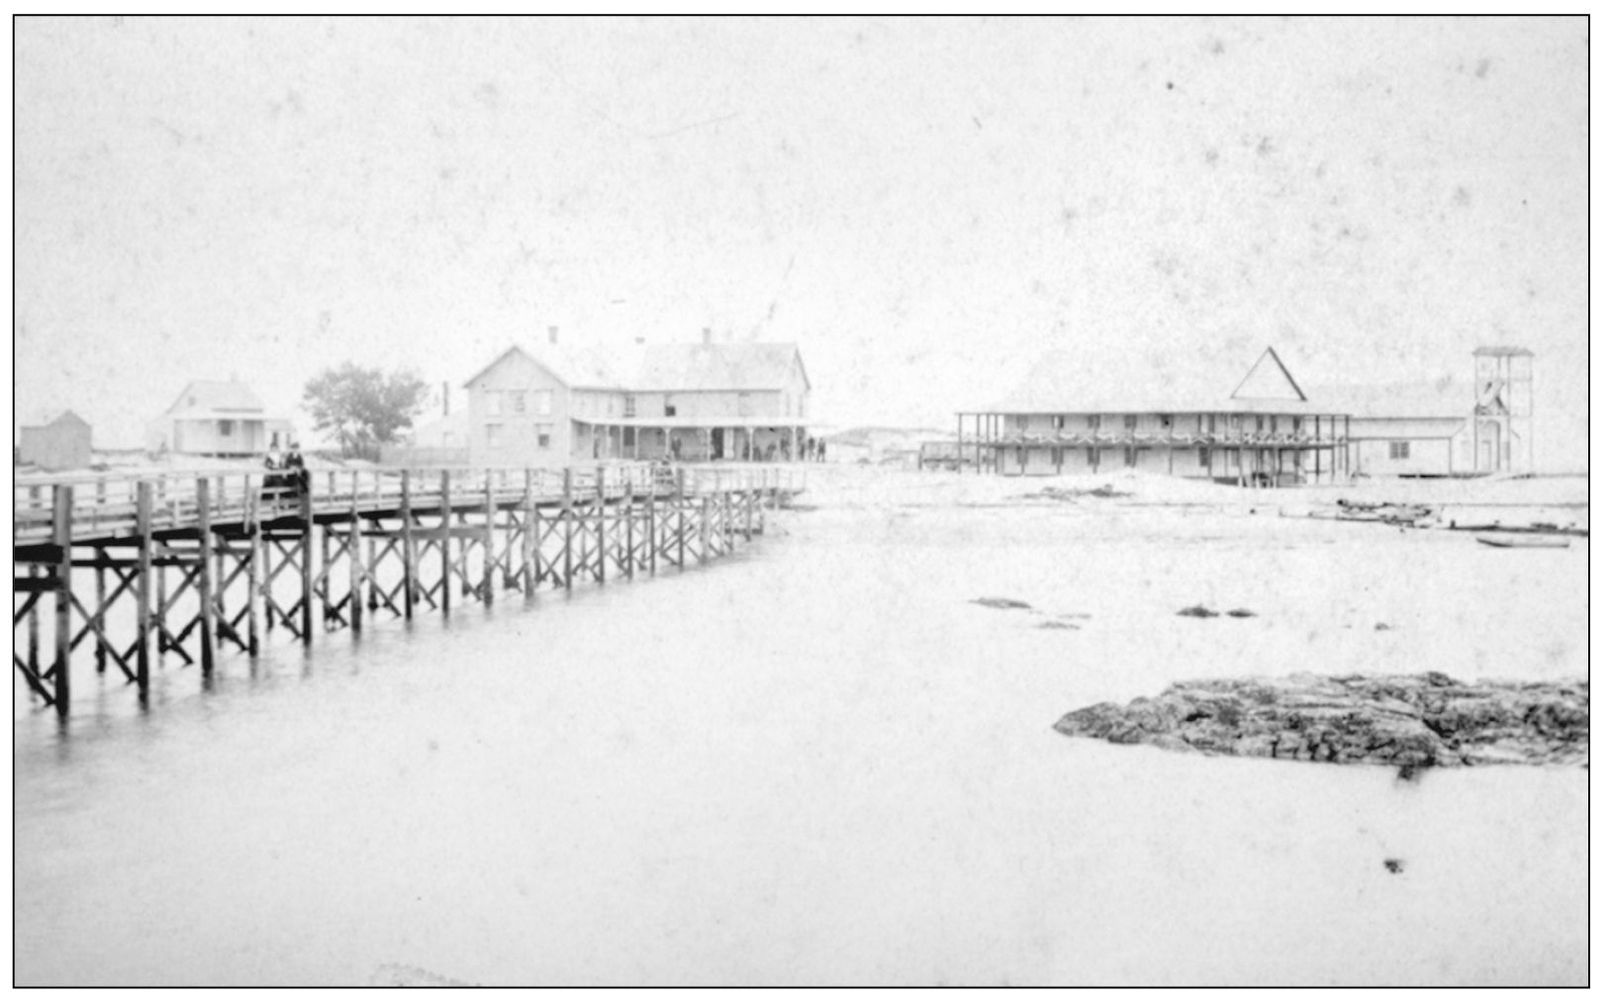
pixel 202 397
pixel 691 367
pixel 1500 351
pixel 49 417
pixel 1154 380
pixel 578 366
pixel 1268 378
pixel 666 367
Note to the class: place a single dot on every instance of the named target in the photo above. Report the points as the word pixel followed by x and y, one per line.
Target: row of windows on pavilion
pixel 1207 422
pixel 1130 456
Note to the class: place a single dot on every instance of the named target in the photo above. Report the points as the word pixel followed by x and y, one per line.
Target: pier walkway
pixel 189 562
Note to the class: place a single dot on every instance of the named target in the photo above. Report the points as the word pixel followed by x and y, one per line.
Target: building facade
pixel 1079 415
pixel 217 419
pixel 556 405
pixel 55 442
pixel 1073 417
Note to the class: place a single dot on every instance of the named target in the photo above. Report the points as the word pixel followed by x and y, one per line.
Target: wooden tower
pixel 1503 406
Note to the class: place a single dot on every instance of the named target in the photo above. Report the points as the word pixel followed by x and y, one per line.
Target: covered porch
pixel 745 438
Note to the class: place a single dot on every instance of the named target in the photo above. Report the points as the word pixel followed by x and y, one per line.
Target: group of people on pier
pixel 287 473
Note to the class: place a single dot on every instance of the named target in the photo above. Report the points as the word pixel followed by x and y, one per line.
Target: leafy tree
pixel 362 407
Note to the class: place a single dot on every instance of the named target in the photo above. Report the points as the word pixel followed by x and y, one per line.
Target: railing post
pixel 630 527
pixel 410 553
pixel 307 563
pixel 142 656
pixel 253 567
pixel 446 541
pixel 354 564
pixel 62 538
pixel 203 502
pixel 527 567
pixel 602 522
pixel 681 517
pixel 489 541
pixel 567 514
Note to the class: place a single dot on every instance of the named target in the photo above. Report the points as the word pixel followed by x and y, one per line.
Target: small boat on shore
pixel 1523 540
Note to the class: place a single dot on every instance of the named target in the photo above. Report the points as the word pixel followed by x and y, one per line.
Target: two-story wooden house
pixel 556 404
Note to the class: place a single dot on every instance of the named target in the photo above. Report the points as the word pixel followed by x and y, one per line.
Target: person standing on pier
pixel 297 466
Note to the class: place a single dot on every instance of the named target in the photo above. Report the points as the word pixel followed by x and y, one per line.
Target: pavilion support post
pixel 62 538
pixel 653 529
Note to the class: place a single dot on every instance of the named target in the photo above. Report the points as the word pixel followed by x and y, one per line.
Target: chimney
pixel 709 336
pixel 552 334
pixel 445 409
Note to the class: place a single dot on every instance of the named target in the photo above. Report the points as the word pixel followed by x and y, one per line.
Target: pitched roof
pixel 200 397
pixel 716 367
pixel 662 367
pixel 1153 380
pixel 46 417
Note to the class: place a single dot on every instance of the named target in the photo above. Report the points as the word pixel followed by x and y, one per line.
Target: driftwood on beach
pixel 1412 721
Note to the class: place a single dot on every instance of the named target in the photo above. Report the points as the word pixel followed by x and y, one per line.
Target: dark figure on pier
pixel 273 483
pixel 820 451
pixel 296 479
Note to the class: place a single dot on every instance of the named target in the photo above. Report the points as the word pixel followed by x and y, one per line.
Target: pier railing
pixel 108 503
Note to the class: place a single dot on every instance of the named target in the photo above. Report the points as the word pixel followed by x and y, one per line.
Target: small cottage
pixel 218 419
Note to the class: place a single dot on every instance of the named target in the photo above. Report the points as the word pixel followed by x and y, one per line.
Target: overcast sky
pixel 923 205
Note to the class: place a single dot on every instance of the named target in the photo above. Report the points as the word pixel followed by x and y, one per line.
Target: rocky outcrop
pixel 1412 721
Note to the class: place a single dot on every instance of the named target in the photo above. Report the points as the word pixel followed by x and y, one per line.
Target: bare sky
pixel 924 206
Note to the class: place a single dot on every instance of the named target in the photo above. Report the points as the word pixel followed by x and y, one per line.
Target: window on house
pixel 669 406
pixel 1093 421
pixel 516 402
pixel 494 434
pixel 1092 455
pixel 1234 458
pixel 1297 421
pixel 1211 423
pixel 1259 424
pixel 1166 421
pixel 1130 422
pixel 1057 422
pixel 630 406
pixel 1130 456
pixel 1398 450
pixel 542 402
pixel 1205 457
pixel 226 427
pixel 544 435
pixel 494 403
pixel 628 435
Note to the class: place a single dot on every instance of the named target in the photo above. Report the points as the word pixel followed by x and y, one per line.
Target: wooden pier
pixel 190 563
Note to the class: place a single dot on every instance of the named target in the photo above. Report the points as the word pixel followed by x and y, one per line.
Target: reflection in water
pixel 815 762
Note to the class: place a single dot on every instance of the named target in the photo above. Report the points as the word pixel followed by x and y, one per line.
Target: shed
pixel 55 441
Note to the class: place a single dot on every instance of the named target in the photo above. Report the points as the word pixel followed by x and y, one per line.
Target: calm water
pixel 819 763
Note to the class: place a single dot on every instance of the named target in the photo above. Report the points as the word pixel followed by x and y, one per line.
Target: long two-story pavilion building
pixel 1196 420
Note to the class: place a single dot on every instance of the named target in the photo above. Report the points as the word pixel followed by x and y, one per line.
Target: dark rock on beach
pixel 1000 603
pixel 1197 611
pixel 1412 722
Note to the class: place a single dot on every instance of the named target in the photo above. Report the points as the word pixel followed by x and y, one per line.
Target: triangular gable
pixel 1269 379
